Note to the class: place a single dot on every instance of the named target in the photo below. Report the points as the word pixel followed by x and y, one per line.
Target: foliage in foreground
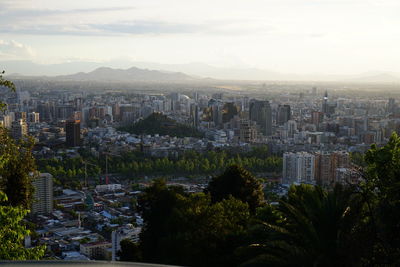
pixel 16 164
pixel 12 233
pixel 239 183
pixel 319 228
pixel 347 225
pixel 17 168
pixel 188 229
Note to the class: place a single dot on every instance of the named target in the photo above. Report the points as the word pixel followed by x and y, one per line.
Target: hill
pixel 158 123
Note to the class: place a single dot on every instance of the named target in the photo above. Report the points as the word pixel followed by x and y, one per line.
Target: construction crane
pixel 108 154
pixel 87 163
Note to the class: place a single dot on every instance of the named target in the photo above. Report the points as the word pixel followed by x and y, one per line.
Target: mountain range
pixel 122 71
pixel 105 74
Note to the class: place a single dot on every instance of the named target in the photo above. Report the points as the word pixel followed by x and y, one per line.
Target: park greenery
pixel 157 123
pixel 71 171
pixel 228 225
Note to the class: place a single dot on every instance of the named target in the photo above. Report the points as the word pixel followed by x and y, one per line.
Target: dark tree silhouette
pixel 239 183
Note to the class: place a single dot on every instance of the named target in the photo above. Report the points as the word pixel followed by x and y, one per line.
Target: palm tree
pixel 318 228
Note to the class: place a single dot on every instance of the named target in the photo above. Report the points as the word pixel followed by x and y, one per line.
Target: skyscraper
pixel 194 115
pixel 260 112
pixel 43 196
pixel 73 133
pixel 391 106
pixel 283 114
pixel 325 103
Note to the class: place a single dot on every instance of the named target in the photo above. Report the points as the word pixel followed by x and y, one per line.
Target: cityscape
pixel 199 134
pixel 86 189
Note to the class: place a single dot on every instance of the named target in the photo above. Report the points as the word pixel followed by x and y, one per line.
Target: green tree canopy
pixel 188 229
pixel 17 169
pixel 239 183
pixel 156 205
pixel 381 189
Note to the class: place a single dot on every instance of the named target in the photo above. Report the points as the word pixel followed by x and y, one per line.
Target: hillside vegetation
pixel 158 123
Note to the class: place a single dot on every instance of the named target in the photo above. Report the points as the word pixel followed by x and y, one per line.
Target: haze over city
pixel 288 37
pixel 200 133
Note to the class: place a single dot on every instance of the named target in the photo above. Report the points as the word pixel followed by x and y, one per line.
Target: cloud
pixel 13 50
pixel 24 13
pixel 136 27
pixel 111 29
pixel 148 27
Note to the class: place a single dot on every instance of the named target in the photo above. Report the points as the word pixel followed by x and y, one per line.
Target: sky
pixel 291 36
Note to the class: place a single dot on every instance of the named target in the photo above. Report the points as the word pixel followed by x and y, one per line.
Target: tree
pixel 156 205
pixel 239 183
pixel 17 169
pixel 188 229
pixel 319 228
pixel 157 123
pixel 204 234
pixel 12 233
pixel 15 163
pixel 381 189
pixel 130 251
pixel 8 84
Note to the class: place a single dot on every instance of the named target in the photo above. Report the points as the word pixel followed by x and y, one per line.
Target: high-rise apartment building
pixel 298 167
pixel 73 133
pixel 43 196
pixel 326 165
pixel 19 129
pixel 33 117
pixel 6 121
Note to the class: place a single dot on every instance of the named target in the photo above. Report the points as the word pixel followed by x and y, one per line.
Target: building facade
pixel 73 133
pixel 260 112
pixel 298 167
pixel 43 196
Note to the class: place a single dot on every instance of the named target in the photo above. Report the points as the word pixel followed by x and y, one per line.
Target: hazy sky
pixel 298 36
